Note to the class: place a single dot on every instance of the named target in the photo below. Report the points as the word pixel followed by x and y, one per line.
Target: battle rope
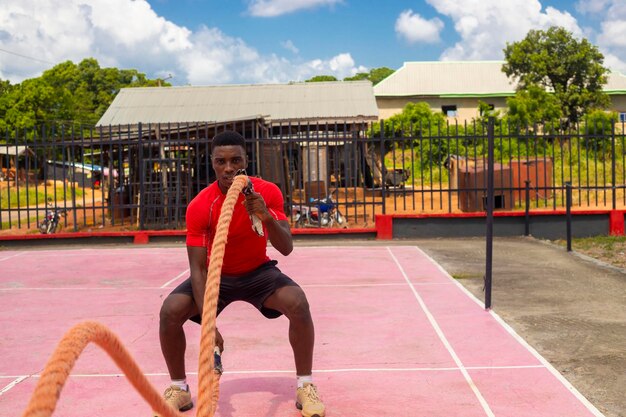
pixel 208 381
pixel 48 390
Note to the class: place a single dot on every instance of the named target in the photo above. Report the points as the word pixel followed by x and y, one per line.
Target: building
pixel 297 135
pixel 295 103
pixel 456 87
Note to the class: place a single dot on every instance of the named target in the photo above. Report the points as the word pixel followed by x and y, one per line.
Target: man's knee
pixel 295 303
pixel 175 310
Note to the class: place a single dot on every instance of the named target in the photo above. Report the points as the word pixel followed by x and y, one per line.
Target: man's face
pixel 226 161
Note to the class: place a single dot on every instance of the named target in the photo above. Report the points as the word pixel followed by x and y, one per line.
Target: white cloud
pixel 414 28
pixel 485 26
pixel 611 38
pixel 273 8
pixel 129 34
pixel 592 6
pixel 613 34
pixel 288 45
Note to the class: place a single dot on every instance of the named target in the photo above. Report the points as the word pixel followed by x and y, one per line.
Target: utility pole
pixel 159 80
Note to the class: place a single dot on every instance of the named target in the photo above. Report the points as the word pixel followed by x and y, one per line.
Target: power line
pixel 26 57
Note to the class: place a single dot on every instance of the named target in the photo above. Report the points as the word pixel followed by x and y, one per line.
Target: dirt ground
pixel 569 307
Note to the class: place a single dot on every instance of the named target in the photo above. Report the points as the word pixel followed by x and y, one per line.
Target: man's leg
pixel 176 310
pixel 291 301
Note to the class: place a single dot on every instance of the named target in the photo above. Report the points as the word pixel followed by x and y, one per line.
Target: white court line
pixel 14 383
pixel 291 371
pixel 398 284
pixel 444 340
pixel 12 256
pixel 61 253
pixel 186 271
pixel 523 342
pixel 79 288
pixel 362 285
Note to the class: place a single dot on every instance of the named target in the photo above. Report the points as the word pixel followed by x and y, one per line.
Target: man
pixel 247 274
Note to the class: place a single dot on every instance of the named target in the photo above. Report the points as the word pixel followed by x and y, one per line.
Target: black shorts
pixel 253 288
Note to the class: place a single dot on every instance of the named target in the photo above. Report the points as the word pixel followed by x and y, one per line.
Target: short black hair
pixel 228 137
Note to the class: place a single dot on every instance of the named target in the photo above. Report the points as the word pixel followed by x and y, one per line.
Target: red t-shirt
pixel 245 250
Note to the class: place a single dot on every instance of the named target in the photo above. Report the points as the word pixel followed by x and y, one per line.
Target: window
pixel 622 117
pixel 450 110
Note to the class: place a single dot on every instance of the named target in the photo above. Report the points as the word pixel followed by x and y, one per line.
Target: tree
pixel 379 74
pixel 533 106
pixel 321 78
pixel 5 87
pixel 358 77
pixel 570 69
pixel 68 93
pixel 375 75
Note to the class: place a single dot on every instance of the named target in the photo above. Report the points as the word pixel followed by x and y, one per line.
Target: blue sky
pixel 204 42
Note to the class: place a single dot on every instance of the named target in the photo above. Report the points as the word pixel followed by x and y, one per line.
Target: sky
pixel 208 42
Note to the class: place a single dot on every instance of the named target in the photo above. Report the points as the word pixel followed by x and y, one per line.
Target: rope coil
pixel 48 390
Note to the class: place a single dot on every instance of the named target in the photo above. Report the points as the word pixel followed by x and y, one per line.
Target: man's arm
pixel 278 231
pixel 197 256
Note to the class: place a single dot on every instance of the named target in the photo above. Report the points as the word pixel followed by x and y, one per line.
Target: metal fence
pixel 338 174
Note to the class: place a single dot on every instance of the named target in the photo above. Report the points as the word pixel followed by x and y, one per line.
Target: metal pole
pixel 142 190
pixel 527 209
pixel 613 168
pixel 382 167
pixel 490 202
pixel 568 214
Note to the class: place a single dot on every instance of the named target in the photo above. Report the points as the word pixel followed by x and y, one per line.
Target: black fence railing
pixel 332 174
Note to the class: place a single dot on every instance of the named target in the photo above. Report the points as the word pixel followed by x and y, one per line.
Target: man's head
pixel 228 156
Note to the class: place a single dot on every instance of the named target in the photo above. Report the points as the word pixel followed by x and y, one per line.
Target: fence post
pixel 568 214
pixel 382 162
pixel 142 190
pixel 73 179
pixel 527 209
pixel 490 202
pixel 613 173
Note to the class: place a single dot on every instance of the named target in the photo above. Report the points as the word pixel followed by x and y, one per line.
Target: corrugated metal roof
pixel 276 102
pixel 446 77
pixel 616 83
pixel 450 78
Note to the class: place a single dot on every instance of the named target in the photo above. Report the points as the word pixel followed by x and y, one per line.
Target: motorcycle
pixel 51 221
pixel 318 213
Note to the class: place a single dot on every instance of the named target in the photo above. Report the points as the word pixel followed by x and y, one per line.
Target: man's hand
pixel 255 205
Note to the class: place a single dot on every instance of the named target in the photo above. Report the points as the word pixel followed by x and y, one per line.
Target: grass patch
pixel 7 225
pixel 605 243
pixel 608 249
pixel 463 275
pixel 34 196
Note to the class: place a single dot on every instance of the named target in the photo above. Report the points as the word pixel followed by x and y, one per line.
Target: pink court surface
pixel 395 336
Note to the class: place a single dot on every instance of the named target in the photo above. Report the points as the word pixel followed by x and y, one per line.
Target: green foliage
pixel 358 77
pixel 418 121
pixel 598 129
pixel 375 75
pixel 321 78
pixel 379 74
pixel 531 107
pixel 554 60
pixel 67 94
pixel 5 87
